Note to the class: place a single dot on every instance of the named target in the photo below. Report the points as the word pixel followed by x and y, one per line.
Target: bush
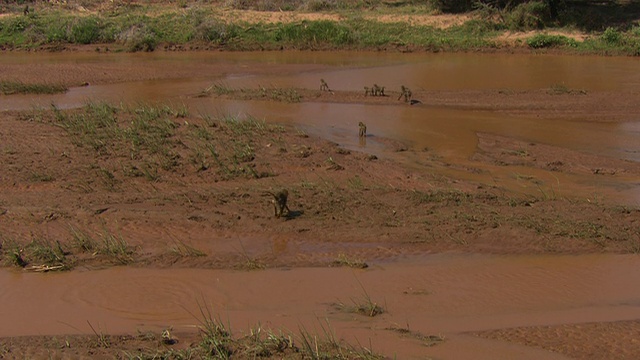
pixel 139 38
pixel 216 32
pixel 527 16
pixel 611 36
pixel 15 25
pixel 453 6
pixel 85 31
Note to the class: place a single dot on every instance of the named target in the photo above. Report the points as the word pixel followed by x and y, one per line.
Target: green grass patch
pixel 151 141
pixel 363 305
pixel 40 255
pixel 541 41
pixel 289 95
pixel 113 247
pixel 134 27
pixel 18 87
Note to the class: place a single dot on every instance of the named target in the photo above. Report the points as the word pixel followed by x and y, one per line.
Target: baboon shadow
pixel 293 214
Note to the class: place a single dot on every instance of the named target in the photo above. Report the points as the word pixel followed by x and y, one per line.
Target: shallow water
pixel 440 294
pixel 449 133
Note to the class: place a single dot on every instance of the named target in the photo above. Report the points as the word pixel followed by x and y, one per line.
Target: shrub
pixel 139 38
pixel 453 6
pixel 216 32
pixel 527 16
pixel 611 36
pixel 85 31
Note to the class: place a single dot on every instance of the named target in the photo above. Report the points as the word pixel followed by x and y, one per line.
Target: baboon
pixel 279 202
pixel 375 90
pixel 323 85
pixel 363 129
pixel 404 91
pixel 26 10
pixel 368 91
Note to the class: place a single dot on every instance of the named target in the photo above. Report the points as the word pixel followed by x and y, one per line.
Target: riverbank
pixel 132 27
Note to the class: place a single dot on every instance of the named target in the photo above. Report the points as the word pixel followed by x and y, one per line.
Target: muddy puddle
pixel 444 133
pixel 444 295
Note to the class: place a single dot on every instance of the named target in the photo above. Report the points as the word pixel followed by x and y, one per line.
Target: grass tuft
pixel 344 260
pixel 18 87
pixel 363 306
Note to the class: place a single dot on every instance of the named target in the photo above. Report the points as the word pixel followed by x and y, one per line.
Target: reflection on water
pixel 448 133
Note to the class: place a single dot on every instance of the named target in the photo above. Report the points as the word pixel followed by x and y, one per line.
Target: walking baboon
pixel 363 129
pixel 404 91
pixel 26 10
pixel 323 85
pixel 279 202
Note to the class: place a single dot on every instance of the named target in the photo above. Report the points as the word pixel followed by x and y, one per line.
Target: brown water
pixel 449 133
pixel 442 294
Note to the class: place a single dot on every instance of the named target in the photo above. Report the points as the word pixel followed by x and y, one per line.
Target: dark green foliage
pixel 528 16
pixel 611 36
pixel 85 31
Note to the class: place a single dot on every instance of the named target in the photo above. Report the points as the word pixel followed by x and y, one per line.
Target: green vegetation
pixel 149 140
pixel 39 255
pixel 218 342
pixel 363 306
pixel 261 93
pixel 115 248
pixel 18 87
pixel 541 41
pixel 137 27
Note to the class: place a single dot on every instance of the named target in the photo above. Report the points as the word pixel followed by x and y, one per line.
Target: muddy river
pixel 449 133
pixel 444 294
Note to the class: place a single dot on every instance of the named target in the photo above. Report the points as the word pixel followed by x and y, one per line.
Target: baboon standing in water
pixel 279 202
pixel 368 91
pixel 363 129
pixel 323 85
pixel 406 93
